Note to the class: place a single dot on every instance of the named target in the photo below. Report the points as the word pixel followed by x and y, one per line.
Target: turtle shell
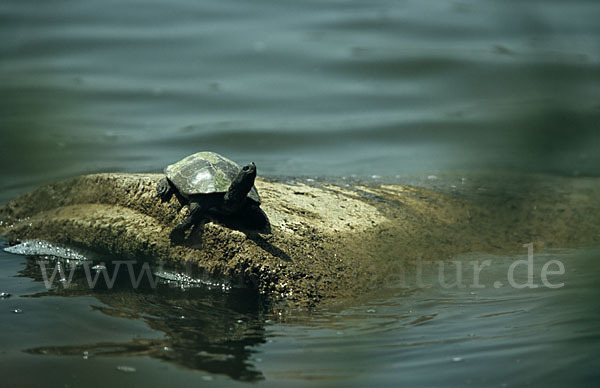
pixel 205 173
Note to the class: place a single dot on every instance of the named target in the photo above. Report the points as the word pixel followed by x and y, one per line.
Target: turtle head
pixel 241 185
pixel 249 169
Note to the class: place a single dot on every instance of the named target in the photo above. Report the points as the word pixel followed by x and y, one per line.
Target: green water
pixel 379 90
pixel 432 335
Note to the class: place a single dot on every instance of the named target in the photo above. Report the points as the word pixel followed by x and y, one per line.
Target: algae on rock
pixel 328 242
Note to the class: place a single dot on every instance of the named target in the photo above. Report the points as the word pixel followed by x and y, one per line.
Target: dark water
pixel 429 333
pixel 397 89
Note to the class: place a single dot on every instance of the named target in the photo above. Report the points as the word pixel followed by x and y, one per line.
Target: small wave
pixel 45 248
pixel 185 281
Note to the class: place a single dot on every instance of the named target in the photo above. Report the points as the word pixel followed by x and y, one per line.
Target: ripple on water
pixel 45 248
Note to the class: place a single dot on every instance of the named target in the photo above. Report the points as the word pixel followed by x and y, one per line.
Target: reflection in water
pixel 398 335
pixel 205 328
pixel 436 336
pixel 385 88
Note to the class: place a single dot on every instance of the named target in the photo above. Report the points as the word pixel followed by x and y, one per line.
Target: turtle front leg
pixel 256 219
pixel 164 190
pixel 197 213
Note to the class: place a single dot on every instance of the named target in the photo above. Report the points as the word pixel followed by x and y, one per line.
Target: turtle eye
pixel 245 168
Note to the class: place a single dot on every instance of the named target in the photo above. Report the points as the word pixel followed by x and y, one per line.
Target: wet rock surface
pixel 328 243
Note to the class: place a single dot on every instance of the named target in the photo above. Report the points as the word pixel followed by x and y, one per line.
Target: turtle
pixel 212 185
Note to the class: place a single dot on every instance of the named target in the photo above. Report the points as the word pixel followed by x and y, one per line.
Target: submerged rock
pixel 327 242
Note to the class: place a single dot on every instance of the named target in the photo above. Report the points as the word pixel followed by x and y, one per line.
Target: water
pixel 397 89
pixel 432 335
pixel 310 88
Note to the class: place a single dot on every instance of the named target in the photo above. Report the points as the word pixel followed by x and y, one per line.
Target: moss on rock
pixel 328 243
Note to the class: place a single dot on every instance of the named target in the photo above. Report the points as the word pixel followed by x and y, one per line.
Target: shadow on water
pixel 205 327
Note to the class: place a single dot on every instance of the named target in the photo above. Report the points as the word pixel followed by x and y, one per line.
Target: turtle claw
pixel 177 235
pixel 196 215
pixel 163 189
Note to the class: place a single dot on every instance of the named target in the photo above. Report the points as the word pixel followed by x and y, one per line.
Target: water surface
pixel 380 90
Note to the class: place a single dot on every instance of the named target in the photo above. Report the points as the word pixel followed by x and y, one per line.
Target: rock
pixel 328 243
